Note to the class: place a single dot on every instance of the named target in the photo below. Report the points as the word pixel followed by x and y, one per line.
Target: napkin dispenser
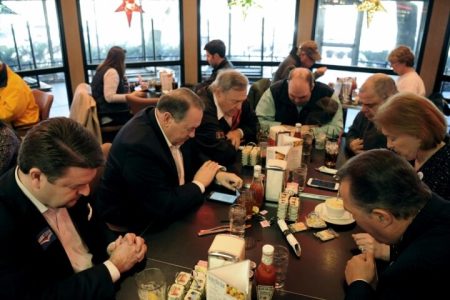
pixel 226 249
pixel 275 178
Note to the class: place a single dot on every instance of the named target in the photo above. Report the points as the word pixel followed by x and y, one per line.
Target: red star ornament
pixel 129 6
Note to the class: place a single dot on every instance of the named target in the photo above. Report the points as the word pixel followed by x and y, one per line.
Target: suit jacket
pixel 211 134
pixel 364 129
pixel 33 263
pixel 140 182
pixel 420 265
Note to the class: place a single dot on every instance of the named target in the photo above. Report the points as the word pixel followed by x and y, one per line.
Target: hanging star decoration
pixel 370 7
pixel 129 6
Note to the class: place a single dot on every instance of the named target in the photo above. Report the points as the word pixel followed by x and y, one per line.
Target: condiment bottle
pixel 257 186
pixel 298 130
pixel 265 272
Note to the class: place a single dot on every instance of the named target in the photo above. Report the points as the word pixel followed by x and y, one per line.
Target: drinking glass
pixel 237 215
pixel 321 137
pixel 331 152
pixel 280 262
pixel 151 284
pixel 299 176
pixel 247 200
pixel 307 146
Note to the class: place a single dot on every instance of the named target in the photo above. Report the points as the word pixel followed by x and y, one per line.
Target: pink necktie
pixel 178 158
pixel 78 253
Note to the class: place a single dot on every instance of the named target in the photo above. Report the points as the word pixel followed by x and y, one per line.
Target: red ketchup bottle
pixel 265 274
pixel 258 186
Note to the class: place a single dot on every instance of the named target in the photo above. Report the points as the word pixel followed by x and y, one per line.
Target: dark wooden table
pixel 317 274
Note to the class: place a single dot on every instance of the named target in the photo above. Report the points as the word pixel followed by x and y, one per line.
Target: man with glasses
pixel 363 134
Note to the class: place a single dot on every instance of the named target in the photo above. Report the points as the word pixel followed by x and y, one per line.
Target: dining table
pixel 317 274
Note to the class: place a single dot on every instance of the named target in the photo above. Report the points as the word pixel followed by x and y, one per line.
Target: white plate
pixel 346 219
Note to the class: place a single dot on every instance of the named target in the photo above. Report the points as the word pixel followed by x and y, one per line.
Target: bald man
pixel 363 135
pixel 299 99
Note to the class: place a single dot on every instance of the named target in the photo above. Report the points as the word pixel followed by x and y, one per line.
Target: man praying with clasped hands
pixel 53 246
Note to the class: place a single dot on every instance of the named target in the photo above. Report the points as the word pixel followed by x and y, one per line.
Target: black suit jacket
pixel 33 267
pixel 211 134
pixel 140 183
pixel 420 266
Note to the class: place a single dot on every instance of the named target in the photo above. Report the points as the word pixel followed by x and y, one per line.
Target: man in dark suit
pixel 228 119
pixel 299 99
pixel 152 175
pixel 363 135
pixel 53 247
pixel 390 202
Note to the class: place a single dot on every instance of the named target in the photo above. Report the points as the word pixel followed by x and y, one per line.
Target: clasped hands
pixel 127 251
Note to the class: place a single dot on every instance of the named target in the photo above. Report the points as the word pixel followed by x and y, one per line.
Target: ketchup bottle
pixel 265 272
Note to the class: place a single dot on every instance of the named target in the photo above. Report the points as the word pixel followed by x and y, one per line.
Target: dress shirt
pixel 61 223
pixel 228 119
pixel 178 158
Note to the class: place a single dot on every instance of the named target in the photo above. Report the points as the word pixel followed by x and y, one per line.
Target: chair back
pixel 256 90
pixel 84 110
pixel 44 101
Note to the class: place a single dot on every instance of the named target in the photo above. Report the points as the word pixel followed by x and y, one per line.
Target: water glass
pixel 299 176
pixel 280 262
pixel 237 215
pixel 151 284
pixel 321 138
pixel 263 152
pixel 247 200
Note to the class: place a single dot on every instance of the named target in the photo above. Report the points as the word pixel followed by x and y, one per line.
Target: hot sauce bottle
pixel 257 186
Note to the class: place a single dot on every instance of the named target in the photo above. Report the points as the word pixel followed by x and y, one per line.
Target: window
pixel 346 39
pixel 150 33
pixel 30 43
pixel 256 41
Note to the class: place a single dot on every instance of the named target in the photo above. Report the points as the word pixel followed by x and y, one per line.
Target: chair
pixel 256 90
pixel 44 100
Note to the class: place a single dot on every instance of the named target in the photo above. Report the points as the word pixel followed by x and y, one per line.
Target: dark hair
pixel 115 59
pixel 380 178
pixel 178 102
pixel 215 46
pixel 57 144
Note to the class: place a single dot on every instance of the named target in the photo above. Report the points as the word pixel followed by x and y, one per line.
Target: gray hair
pixel 382 85
pixel 229 79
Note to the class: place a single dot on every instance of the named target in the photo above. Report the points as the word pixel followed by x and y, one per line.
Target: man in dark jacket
pixel 228 119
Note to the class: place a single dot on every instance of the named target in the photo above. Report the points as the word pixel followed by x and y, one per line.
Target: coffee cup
pixel 335 208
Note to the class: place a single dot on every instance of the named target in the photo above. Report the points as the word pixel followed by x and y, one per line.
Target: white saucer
pixel 346 219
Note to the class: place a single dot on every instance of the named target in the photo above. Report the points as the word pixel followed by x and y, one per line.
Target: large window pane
pixel 30 38
pixel 152 38
pixel 256 41
pixel 347 39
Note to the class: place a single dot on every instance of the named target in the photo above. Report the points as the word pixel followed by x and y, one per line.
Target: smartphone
pixel 222 197
pixel 323 184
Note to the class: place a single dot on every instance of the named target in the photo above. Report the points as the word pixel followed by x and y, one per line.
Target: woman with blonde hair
pixel 417 130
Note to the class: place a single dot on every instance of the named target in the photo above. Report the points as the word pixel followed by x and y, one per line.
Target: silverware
pixel 218 229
